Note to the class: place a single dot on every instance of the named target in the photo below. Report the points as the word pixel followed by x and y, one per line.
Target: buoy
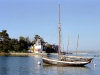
pixel 94 65
pixel 39 63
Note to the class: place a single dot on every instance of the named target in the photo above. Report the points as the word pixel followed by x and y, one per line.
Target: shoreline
pixel 21 54
pixel 41 54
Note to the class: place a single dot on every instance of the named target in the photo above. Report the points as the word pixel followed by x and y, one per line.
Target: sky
pixel 30 17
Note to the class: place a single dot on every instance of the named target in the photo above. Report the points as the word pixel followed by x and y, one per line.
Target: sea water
pixel 29 66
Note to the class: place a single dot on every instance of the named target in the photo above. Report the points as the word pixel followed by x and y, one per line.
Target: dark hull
pixel 65 63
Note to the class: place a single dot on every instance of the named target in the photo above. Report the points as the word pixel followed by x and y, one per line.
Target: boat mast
pixel 59 32
pixel 77 44
pixel 68 45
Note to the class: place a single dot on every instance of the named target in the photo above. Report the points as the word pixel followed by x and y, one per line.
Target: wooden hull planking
pixel 65 63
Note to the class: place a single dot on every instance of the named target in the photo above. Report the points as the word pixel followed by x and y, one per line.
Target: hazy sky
pixel 30 17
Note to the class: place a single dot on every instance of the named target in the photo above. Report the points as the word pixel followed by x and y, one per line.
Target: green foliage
pixel 36 37
pixel 49 49
pixel 13 45
pixel 4 41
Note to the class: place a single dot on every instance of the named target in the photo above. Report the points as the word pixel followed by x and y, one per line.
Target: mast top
pixel 59 14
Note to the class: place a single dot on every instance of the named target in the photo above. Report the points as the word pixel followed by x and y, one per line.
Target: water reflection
pixel 28 66
pixel 4 69
pixel 67 70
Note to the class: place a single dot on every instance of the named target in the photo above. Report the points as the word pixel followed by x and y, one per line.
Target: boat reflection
pixel 67 70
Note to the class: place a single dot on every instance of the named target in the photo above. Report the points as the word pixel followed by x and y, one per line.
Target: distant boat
pixel 65 60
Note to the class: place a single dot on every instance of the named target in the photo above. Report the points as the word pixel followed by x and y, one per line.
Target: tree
pixel 1 46
pixel 4 41
pixel 49 48
pixel 14 45
pixel 4 34
pixel 36 37
pixel 9 45
pixel 24 43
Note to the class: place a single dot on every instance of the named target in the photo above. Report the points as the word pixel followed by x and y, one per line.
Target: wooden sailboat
pixel 65 60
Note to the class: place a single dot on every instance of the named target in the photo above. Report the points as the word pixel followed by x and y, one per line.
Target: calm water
pixel 28 66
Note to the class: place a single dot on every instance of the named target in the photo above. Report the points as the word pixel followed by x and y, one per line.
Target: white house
pixel 38 48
